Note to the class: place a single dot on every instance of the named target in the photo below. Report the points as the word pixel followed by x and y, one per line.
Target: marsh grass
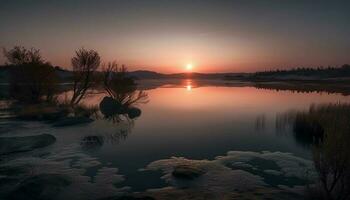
pixel 326 129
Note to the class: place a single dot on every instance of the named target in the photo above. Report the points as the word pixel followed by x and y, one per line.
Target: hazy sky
pixel 165 35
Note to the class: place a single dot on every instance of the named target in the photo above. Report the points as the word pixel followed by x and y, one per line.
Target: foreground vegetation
pixel 34 85
pixel 326 129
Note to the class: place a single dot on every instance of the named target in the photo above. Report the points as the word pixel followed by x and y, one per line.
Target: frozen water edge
pixel 224 178
pixel 71 163
pixel 237 174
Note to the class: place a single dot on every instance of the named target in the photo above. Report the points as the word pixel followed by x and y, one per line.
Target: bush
pixel 31 78
pixel 33 83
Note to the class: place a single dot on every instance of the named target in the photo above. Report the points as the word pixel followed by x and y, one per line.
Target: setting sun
pixel 189 67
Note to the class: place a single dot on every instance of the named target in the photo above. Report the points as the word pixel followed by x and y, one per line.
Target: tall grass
pixel 327 128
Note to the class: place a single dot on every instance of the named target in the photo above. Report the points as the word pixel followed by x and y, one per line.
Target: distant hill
pixel 144 74
pixel 297 74
pixel 193 75
pixel 66 75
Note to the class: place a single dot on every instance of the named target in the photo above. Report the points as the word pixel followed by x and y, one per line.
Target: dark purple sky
pixel 165 35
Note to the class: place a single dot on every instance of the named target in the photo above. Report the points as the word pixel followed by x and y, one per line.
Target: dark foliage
pixel 123 94
pixel 122 87
pixel 31 78
pixel 320 72
pixel 19 55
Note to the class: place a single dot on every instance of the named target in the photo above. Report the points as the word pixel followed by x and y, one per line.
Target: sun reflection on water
pixel 189 85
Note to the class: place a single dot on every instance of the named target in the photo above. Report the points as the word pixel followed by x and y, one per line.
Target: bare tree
pixel 85 63
pixel 19 55
pixel 108 75
pixel 122 87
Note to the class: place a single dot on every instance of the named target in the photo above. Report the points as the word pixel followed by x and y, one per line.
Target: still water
pixel 231 131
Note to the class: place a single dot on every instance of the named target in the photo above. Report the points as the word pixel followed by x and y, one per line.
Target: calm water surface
pixel 196 123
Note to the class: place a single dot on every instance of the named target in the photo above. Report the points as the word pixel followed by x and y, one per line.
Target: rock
pixel 134 112
pixel 71 121
pixel 187 172
pixel 110 107
pixel 40 187
pixel 20 144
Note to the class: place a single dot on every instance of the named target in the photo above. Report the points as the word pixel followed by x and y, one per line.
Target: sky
pixel 168 35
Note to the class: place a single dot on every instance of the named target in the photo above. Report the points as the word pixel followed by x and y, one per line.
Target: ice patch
pixel 69 162
pixel 290 165
pixel 234 175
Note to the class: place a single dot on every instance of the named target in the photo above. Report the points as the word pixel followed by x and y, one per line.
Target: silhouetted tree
pixel 122 87
pixel 85 63
pixel 320 72
pixel 123 94
pixel 31 78
pixel 19 55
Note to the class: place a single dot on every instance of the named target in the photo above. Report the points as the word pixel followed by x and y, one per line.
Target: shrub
pixel 31 78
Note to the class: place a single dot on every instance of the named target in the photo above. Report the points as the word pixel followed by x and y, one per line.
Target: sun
pixel 189 67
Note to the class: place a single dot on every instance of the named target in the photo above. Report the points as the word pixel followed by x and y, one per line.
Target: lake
pixel 225 141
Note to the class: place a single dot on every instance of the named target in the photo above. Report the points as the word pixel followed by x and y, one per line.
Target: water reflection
pixel 308 126
pixel 260 122
pixel 317 124
pixel 188 85
pixel 172 124
pixel 106 132
pixel 305 87
pixel 92 142
pixel 119 108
